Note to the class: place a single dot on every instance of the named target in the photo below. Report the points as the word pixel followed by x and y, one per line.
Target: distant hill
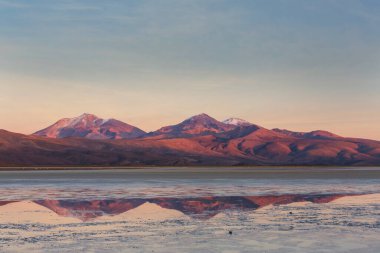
pixel 199 140
pixel 92 127
pixel 197 125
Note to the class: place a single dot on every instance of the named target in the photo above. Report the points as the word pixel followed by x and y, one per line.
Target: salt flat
pixel 129 213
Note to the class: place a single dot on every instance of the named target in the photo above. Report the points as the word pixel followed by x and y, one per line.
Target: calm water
pixel 191 210
pixel 185 182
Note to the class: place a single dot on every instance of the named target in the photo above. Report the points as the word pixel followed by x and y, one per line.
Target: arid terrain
pixel 199 140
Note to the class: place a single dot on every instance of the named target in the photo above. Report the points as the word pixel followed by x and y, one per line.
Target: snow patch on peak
pixel 237 122
pixel 198 116
pixel 92 127
pixel 103 121
pixel 85 118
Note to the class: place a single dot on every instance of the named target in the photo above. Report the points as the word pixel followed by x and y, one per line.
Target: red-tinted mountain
pixel 92 127
pixel 200 140
pixel 195 207
pixel 201 124
pixel 318 134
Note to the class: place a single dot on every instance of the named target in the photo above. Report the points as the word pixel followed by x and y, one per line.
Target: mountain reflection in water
pixel 194 207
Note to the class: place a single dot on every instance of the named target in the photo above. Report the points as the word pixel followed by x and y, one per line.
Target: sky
pixel 292 64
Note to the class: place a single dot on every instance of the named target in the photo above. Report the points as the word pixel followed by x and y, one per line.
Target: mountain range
pixel 88 140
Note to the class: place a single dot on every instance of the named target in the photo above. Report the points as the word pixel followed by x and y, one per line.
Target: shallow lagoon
pixel 191 210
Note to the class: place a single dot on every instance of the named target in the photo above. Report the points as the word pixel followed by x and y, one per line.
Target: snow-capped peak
pixel 199 116
pixel 237 122
pixel 90 126
pixel 84 119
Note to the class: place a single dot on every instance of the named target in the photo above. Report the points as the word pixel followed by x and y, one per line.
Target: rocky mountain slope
pixel 91 127
pixel 199 140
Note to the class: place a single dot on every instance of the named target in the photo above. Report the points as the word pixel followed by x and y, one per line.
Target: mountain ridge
pixel 197 141
pixel 201 124
pixel 92 127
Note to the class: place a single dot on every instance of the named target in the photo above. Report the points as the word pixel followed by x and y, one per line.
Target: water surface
pixel 191 210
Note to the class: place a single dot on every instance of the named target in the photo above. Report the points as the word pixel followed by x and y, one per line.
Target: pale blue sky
pixel 301 65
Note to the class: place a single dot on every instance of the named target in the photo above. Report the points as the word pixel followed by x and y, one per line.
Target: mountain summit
pixel 237 122
pixel 200 124
pixel 92 127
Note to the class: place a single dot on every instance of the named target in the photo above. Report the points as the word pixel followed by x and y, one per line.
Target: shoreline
pixel 257 168
pixel 203 173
